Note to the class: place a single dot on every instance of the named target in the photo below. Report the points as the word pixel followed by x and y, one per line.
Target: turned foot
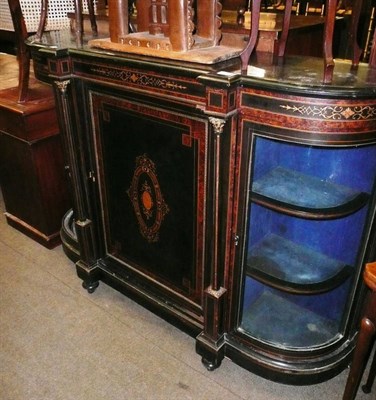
pixel 90 286
pixel 366 389
pixel 211 365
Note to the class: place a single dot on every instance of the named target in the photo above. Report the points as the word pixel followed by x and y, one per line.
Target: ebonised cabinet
pixel 239 207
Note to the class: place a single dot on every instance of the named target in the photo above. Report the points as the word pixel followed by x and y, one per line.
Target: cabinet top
pixel 306 74
pixel 295 74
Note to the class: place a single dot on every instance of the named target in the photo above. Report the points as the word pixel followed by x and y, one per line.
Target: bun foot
pixel 210 365
pixel 90 286
pixel 366 389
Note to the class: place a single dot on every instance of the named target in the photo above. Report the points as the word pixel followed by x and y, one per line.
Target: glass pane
pixel 307 210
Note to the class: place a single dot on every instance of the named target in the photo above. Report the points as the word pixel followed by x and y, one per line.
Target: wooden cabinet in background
pixel 32 176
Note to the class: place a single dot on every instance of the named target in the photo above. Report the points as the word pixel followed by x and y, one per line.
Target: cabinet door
pixel 152 166
pixel 306 214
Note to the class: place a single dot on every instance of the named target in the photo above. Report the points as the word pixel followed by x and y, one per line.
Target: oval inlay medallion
pixel 147 199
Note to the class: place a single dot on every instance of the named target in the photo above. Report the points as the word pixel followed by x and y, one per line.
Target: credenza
pixel 239 206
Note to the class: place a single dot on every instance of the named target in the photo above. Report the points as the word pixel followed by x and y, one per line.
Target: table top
pixel 269 22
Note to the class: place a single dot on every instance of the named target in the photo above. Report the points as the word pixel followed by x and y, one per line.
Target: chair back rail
pixel 23 52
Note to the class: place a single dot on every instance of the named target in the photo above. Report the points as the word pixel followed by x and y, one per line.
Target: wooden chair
pixel 366 337
pixel 330 17
pixel 21 34
pixel 331 9
pixel 79 26
pixel 255 16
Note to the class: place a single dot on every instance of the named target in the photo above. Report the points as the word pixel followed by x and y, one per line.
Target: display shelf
pixel 277 320
pixel 294 268
pixel 307 196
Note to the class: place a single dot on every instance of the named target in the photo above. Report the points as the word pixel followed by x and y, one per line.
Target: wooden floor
pixel 57 342
pixel 9 77
pixel 8 71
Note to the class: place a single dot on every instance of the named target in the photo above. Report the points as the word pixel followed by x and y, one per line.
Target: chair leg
pixel 285 29
pixel 79 22
pixel 371 377
pixel 367 330
pixel 23 52
pixel 372 56
pixel 255 22
pixel 43 19
pixel 93 21
pixel 353 40
pixel 23 76
pixel 331 8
